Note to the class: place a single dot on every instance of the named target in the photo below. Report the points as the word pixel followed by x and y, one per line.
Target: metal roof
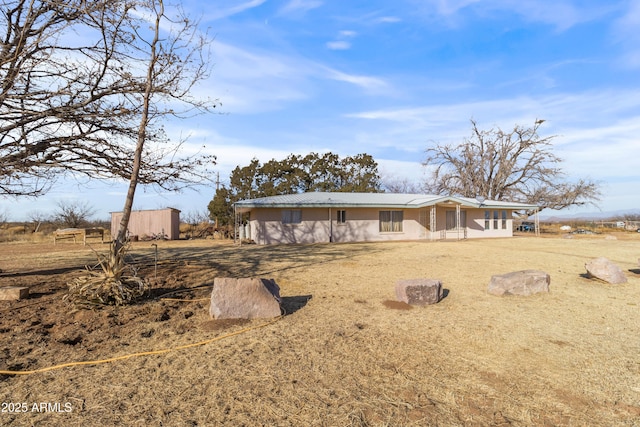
pixel 370 200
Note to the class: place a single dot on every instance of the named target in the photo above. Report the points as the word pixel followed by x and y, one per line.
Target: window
pixel 451 219
pixel 342 217
pixel 504 220
pixel 495 220
pixel 291 216
pixel 487 220
pixel 391 221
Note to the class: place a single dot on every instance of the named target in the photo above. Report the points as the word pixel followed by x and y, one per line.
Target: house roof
pixel 370 200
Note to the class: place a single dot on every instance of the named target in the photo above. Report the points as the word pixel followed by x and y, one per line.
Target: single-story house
pixel 358 217
pixel 155 223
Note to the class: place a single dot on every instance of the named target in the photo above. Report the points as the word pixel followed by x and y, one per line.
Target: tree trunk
pixel 142 135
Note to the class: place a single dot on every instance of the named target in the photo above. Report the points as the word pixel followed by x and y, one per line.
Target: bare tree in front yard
pixel 169 63
pixel 85 90
pixel 72 88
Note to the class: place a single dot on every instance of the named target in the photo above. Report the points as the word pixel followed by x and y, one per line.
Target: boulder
pixel 603 269
pixel 245 298
pixel 419 291
pixel 524 283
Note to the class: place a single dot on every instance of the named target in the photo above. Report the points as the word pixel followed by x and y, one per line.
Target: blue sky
pixel 391 78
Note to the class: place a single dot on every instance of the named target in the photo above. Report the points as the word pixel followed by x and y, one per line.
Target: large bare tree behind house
pixel 516 165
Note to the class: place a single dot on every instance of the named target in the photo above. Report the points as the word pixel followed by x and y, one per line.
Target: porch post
pixel 235 223
pixel 458 220
pixel 432 222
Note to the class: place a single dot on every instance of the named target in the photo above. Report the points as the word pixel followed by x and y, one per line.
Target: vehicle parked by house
pixel 526 226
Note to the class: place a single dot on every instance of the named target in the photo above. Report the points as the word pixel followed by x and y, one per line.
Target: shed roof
pixel 370 200
pixel 150 210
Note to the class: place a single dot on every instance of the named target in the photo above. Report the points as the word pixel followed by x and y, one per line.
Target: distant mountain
pixel 589 216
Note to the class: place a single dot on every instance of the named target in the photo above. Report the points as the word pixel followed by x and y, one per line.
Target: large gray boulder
pixel 419 291
pixel 603 269
pixel 524 283
pixel 246 298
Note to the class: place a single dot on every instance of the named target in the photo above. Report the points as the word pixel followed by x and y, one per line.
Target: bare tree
pixel 37 218
pixel 394 184
pixel 72 87
pixel 85 89
pixel 73 214
pixel 517 166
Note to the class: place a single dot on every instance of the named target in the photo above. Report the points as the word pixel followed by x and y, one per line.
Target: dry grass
pixel 346 355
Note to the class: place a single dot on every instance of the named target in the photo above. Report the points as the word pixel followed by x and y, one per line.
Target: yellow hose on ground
pixel 145 353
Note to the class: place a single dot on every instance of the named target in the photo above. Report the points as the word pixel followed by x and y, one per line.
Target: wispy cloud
pixel 543 75
pixel 232 9
pixel 451 7
pixel 339 45
pixel 593 106
pixel 300 6
pixel 611 141
pixel 366 82
pixel 342 42
pixel 627 34
pixel 561 14
pixel 251 81
pixel 387 20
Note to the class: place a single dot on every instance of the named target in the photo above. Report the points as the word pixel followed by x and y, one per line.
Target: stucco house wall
pixel 266 227
pixel 363 225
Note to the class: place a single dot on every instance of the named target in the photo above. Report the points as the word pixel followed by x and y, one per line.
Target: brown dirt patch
pixel 396 305
pixel 340 356
pixel 222 324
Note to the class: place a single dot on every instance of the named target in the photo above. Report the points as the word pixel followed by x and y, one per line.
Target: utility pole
pixel 217 188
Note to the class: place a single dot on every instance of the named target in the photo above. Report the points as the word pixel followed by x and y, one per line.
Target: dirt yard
pixel 344 354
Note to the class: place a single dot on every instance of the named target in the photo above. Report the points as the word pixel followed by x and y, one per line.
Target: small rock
pixel 524 283
pixel 419 291
pixel 603 269
pixel 13 293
